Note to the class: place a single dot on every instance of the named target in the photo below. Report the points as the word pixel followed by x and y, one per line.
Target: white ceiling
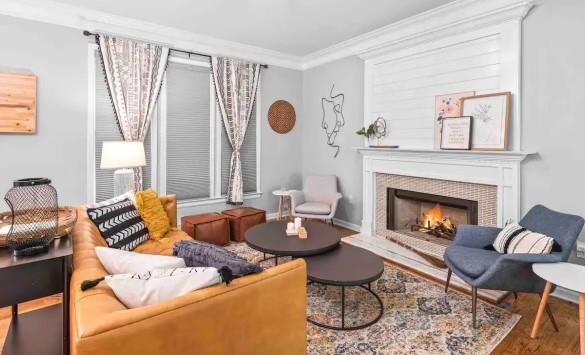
pixel 296 27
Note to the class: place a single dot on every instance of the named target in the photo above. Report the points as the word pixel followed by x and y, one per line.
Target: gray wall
pixel 58 56
pixel 553 110
pixel 554 105
pixel 347 75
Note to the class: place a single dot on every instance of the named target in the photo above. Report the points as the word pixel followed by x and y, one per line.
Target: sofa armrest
pixel 257 314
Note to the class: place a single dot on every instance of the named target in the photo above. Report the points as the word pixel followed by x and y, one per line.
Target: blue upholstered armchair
pixel 472 258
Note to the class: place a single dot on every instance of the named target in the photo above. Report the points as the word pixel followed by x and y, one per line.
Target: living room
pixel 304 177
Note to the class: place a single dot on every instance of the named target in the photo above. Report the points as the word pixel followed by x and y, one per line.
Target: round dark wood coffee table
pixel 271 238
pixel 346 266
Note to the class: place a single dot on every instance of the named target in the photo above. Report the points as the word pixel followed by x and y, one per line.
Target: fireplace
pixel 426 215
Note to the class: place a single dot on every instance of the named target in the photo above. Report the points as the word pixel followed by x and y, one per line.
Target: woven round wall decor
pixel 281 116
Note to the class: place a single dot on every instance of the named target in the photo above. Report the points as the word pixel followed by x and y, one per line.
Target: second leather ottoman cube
pixel 243 218
pixel 209 227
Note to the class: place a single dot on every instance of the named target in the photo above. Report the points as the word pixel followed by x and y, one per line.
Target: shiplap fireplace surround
pixel 472 46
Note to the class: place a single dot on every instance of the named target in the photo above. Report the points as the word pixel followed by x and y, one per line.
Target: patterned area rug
pixel 419 318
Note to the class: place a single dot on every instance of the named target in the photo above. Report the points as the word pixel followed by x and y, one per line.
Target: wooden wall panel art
pixel 18 103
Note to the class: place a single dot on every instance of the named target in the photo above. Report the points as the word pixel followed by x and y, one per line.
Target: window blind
pixel 106 129
pixel 247 155
pixel 188 131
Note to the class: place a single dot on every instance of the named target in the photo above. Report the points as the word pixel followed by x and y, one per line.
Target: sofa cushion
pixel 202 254
pixel 163 246
pixel 313 208
pixel 117 261
pixel 473 262
pixel 119 224
pixel 153 213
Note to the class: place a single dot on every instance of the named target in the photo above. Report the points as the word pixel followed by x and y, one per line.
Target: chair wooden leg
pixel 474 306
pixel 515 295
pixel 551 317
pixel 540 313
pixel 332 224
pixel 449 272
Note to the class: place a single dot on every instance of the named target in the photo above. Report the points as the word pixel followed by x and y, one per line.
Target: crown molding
pixel 443 20
pixel 453 17
pixel 53 12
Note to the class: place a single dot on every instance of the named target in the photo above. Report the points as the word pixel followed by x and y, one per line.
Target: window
pixel 187 150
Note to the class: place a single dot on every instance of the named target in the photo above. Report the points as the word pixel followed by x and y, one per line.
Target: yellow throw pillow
pixel 153 213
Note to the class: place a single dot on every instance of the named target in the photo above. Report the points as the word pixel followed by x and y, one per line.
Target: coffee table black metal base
pixel 352 327
pixel 346 266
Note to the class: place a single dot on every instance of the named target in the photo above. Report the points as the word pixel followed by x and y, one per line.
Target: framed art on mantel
pixel 446 106
pixel 456 133
pixel 491 114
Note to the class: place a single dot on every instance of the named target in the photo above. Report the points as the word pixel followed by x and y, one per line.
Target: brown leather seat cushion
pixel 209 227
pixel 243 218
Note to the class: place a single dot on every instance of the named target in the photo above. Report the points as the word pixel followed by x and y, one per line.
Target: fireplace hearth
pixel 427 215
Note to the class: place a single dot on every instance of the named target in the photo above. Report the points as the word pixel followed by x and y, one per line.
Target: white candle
pixel 297 223
pixel 290 227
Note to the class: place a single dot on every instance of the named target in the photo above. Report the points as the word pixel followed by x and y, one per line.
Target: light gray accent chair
pixel 473 259
pixel 318 200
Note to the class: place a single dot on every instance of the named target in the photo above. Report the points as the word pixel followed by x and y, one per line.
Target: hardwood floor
pixel 566 341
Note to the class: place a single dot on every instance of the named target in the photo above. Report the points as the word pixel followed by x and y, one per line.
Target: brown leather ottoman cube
pixel 243 218
pixel 209 227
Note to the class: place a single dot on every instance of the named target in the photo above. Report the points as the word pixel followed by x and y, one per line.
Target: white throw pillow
pixel 515 239
pixel 128 195
pixel 156 286
pixel 117 261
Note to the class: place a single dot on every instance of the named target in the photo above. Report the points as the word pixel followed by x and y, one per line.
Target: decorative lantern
pixel 35 214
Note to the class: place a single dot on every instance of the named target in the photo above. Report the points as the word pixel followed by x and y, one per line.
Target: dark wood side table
pixel 22 279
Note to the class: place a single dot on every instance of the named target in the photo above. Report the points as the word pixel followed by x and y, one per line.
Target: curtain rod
pixel 87 34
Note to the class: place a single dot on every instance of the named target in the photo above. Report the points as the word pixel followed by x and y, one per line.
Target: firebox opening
pixel 421 214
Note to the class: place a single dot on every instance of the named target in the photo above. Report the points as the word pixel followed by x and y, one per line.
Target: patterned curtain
pixel 236 83
pixel 134 73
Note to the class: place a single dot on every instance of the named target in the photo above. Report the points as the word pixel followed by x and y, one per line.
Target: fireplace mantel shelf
pixel 449 154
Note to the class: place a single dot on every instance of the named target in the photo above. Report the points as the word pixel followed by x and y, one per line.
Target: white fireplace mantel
pixel 497 168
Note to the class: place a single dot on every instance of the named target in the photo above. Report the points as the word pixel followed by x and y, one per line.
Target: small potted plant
pixel 376 129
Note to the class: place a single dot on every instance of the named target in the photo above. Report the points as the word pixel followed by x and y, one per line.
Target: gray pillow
pixel 201 254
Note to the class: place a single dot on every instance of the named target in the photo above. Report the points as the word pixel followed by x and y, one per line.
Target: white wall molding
pixel 454 17
pixel 56 13
pixel 451 18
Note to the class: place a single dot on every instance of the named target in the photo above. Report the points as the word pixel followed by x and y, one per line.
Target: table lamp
pixel 122 156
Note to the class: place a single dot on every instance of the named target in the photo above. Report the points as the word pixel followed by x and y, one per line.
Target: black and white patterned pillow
pixel 515 239
pixel 120 224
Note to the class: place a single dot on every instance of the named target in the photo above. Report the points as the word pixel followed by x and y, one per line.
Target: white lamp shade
pixel 116 155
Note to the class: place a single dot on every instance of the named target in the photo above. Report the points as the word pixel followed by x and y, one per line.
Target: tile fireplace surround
pixel 490 178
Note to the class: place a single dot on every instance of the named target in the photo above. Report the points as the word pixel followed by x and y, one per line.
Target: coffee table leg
pixel 276 260
pixel 541 308
pixel 342 307
pixel 582 322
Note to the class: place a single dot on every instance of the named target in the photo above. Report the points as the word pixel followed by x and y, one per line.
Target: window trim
pixel 158 130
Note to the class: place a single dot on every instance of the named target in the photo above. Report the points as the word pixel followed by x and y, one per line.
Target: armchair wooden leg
pixel 541 308
pixel 551 317
pixel 449 272
pixel 474 306
pixel 332 225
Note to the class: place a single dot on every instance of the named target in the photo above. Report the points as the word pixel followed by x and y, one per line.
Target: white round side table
pixel 567 275
pixel 283 196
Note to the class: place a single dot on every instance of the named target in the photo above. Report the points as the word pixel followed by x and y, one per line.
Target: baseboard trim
pixel 345 224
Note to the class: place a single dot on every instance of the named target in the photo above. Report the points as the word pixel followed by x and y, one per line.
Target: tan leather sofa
pixel 257 314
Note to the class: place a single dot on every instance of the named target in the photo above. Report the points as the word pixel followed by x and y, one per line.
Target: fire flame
pixel 433 217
